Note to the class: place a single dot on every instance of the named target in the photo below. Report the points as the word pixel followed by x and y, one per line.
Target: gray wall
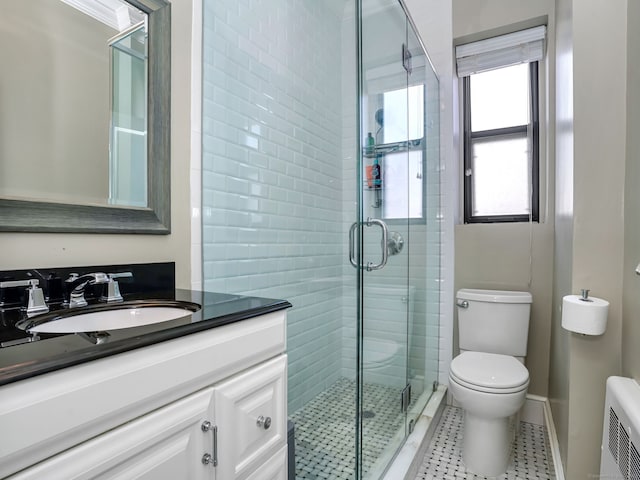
pixel 591 167
pixel 631 296
pixel 498 256
pixel 563 235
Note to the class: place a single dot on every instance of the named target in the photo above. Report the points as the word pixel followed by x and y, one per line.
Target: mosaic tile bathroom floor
pixel 325 430
pixel 531 460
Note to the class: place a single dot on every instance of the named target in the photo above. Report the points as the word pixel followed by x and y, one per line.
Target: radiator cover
pixel 620 458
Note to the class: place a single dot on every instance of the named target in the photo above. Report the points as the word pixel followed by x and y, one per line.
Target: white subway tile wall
pixel 279 147
pixel 272 171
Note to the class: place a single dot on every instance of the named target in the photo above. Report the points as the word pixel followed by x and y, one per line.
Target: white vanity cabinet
pixel 164 444
pixel 211 405
pixel 250 413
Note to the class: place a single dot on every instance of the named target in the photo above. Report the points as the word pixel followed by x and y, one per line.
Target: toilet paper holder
pixel 585 295
pixel 583 314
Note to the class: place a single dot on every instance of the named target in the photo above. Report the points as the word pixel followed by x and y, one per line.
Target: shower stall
pixel 321 185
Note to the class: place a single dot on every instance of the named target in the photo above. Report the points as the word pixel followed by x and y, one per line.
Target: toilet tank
pixel 493 321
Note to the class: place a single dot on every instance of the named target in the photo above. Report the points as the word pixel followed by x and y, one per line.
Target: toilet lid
pixel 489 371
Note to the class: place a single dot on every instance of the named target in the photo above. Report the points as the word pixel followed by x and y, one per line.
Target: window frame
pixel 469 136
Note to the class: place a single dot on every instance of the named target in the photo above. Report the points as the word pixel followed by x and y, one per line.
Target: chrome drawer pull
pixel 208 459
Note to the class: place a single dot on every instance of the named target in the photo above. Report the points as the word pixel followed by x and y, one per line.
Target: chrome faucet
pixel 76 285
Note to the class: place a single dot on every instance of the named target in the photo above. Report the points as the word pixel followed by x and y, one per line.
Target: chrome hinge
pixel 405 398
pixel 406 59
pixel 208 458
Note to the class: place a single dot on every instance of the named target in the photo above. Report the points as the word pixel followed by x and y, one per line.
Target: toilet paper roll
pixel 587 317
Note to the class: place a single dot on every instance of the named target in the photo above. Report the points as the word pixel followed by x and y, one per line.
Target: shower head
pixel 380 117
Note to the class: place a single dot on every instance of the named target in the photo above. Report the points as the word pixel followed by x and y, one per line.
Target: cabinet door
pixel 273 469
pixel 251 416
pixel 167 444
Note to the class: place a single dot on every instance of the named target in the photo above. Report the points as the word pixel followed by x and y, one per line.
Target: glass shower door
pixel 303 148
pixel 424 235
pixel 384 223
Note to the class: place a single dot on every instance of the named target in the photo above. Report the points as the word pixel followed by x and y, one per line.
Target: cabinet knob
pixel 264 422
pixel 207 459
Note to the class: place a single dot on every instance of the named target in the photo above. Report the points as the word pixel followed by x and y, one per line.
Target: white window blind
pixel 497 52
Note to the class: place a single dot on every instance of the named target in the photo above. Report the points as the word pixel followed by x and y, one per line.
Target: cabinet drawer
pixel 167 444
pixel 251 415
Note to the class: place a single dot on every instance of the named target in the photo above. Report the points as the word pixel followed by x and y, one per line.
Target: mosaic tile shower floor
pixel 531 460
pixel 325 430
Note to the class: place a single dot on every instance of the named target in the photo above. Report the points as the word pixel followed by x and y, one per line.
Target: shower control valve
pixel 395 242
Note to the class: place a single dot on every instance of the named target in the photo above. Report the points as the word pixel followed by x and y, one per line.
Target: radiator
pixel 621 433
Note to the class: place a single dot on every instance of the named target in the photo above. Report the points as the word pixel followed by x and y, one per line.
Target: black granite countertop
pixel 54 352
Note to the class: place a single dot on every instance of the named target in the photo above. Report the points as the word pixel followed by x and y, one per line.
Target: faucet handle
pixel 113 288
pixel 20 283
pixel 36 303
pixel 120 275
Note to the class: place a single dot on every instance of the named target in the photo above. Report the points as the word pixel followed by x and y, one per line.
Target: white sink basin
pixel 115 318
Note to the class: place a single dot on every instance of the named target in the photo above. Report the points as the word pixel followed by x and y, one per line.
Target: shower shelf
pixel 386 148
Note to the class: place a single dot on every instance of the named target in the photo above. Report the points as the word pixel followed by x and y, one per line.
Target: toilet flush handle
pixel 462 303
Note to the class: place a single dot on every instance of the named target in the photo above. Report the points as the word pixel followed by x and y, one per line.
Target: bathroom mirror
pixel 87 149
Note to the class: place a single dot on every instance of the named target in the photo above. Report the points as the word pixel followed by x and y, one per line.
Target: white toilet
pixel 488 379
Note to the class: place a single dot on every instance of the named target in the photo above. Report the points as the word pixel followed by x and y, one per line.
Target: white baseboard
pixel 533 410
pixel 537 410
pixel 553 440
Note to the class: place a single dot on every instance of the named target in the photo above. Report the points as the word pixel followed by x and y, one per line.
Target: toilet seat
pixel 378 351
pixel 489 372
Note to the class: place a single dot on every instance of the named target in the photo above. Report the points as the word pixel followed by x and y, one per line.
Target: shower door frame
pixel 361 280
pixel 363 263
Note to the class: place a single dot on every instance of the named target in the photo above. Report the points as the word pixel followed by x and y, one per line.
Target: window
pixel 501 145
pixel 399 149
pixel 501 127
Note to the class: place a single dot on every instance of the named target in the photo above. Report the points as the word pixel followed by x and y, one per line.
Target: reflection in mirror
pixel 128 159
pixel 84 123
pixel 54 138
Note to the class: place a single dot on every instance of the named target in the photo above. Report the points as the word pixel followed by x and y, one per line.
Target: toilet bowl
pixel 384 344
pixel 488 378
pixel 380 353
pixel 490 388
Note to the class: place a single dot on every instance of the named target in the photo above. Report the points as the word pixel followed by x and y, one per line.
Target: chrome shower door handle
pixel 352 258
pixel 383 244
